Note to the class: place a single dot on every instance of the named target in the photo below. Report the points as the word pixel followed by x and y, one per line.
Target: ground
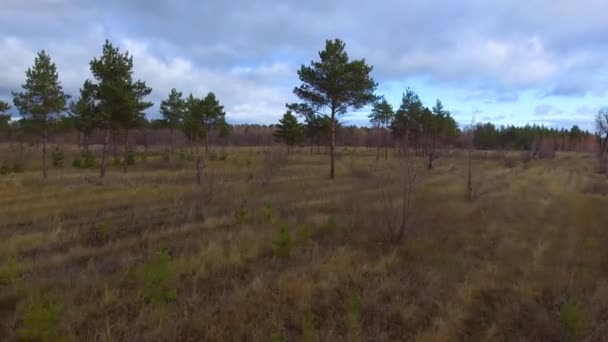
pixel 268 248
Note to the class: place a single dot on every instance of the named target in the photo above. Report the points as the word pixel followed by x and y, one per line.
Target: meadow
pixel 268 248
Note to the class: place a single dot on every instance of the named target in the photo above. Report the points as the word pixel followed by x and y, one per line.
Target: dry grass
pixel 526 261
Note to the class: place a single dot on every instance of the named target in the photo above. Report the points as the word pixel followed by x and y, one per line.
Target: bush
pixel 57 157
pixel 268 213
pixel 157 279
pixel 10 271
pixel 331 227
pixel 166 155
pixel 353 313
pixel 305 234
pixel 223 155
pixel 213 156
pixel 241 214
pixel 40 320
pixel 77 163
pixel 5 169
pixel 185 155
pixel 309 330
pixel 572 318
pixel 88 160
pixel 130 157
pixel 282 243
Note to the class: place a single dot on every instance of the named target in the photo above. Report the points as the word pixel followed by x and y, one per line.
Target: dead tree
pixel 397 230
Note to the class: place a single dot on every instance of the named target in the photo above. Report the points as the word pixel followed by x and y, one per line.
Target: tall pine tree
pixel 121 99
pixel 172 109
pixel 42 99
pixel 332 86
pixel 381 117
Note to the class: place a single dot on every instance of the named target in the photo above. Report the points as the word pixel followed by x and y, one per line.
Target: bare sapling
pixel 398 227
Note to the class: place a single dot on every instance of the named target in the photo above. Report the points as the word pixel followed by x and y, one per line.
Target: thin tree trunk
pixel 125 161
pixel 114 143
pixel 85 142
pixel 206 142
pixel 198 169
pixel 106 142
pixel 44 138
pixel 385 144
pixel 311 146
pixel 172 141
pixel 332 145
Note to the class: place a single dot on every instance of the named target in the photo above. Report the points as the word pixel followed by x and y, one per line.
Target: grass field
pixel 267 248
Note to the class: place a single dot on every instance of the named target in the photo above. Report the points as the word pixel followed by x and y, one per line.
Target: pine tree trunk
pixel 106 142
pixel 332 145
pixel 85 142
pixel 124 164
pixel 378 150
pixel 172 141
pixel 114 133
pixel 44 138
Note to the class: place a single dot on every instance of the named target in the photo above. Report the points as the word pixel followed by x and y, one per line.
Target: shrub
pixel 88 160
pixel 309 330
pixel 57 157
pixel 166 155
pixel 40 320
pixel 130 157
pixel 241 214
pixel 282 243
pixel 5 169
pixel 10 271
pixel 116 162
pixel 268 213
pixel 99 234
pixel 213 156
pixel 305 234
pixel 223 155
pixel 572 318
pixel 77 163
pixel 185 155
pixel 157 279
pixel 331 227
pixel 353 313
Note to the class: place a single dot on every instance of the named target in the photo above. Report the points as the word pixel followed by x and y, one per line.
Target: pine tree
pixel 42 99
pixel 213 116
pixel 85 113
pixel 121 99
pixel 334 84
pixel 289 131
pixel 172 110
pixel 5 119
pixel 381 117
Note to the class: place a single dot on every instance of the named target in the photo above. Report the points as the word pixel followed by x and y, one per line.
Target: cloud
pixel 547 110
pixel 248 52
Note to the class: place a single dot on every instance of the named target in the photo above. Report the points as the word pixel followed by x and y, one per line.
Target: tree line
pixel 114 103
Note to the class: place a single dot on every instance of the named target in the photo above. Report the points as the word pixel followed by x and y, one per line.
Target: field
pixel 267 248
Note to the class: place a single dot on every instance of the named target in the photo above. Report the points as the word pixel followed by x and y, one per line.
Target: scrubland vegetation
pixel 421 230
pixel 268 248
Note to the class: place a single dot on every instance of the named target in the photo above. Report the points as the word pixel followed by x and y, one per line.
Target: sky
pixel 505 61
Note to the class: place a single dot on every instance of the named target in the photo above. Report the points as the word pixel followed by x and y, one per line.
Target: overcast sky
pixel 509 62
